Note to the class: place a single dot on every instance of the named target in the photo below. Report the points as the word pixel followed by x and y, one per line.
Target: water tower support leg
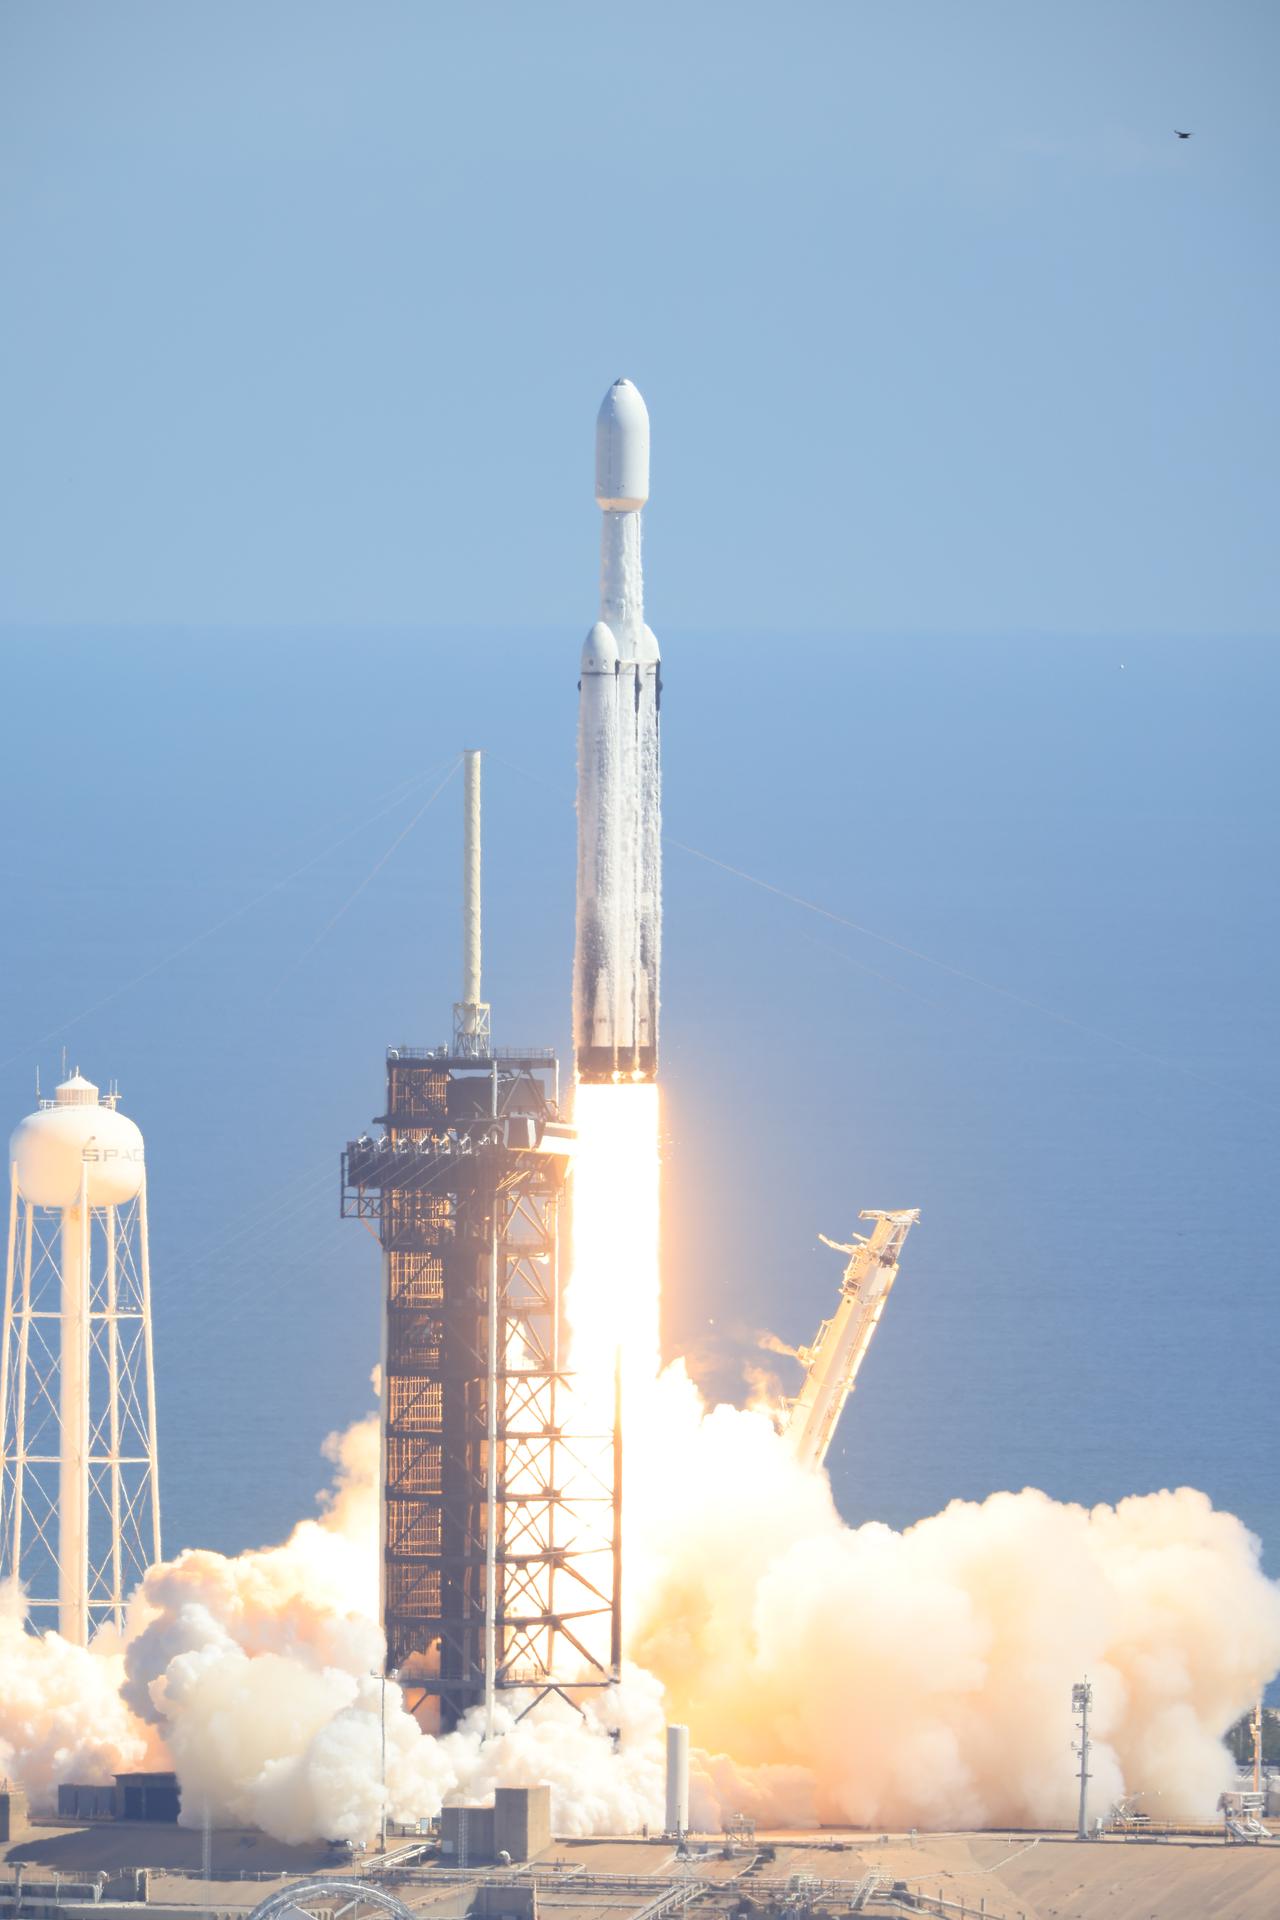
pixel 153 1451
pixel 113 1415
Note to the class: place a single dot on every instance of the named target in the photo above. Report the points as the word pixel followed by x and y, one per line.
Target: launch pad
pixel 501 1538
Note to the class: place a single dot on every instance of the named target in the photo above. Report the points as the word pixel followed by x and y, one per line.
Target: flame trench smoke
pixel 829 1673
pixel 864 1676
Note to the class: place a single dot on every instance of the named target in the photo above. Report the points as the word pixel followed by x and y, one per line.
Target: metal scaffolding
pixel 500 1516
pixel 79 1491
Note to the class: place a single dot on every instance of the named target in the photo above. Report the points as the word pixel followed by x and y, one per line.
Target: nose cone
pixel 600 650
pixel 622 449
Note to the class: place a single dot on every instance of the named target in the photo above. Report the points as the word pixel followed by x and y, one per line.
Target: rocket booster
pixel 619 929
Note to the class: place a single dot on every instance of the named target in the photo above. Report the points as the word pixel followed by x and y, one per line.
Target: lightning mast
pixel 471 1018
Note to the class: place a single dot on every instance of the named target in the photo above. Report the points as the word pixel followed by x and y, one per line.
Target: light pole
pixel 381 1675
pixel 1081 1701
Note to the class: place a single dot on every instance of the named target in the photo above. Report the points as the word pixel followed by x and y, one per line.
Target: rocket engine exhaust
pixel 616 960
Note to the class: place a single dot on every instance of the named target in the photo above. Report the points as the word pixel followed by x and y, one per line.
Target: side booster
pixel 619 929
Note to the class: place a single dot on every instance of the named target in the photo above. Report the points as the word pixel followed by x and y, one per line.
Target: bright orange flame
pixel 613 1297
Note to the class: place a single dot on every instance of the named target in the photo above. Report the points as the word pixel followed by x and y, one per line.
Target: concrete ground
pixel 118 1846
pixel 1053 1877
pixel 1019 1876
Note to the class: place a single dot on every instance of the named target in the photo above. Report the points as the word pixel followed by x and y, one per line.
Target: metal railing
pixel 535 1056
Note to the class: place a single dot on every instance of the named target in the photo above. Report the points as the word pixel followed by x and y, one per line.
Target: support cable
pixel 228 919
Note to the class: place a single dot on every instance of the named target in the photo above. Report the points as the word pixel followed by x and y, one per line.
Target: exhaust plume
pixel 851 1675
pixel 866 1677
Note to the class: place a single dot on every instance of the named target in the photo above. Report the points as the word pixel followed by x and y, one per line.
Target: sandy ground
pixel 1060 1879
pixel 611 1856
pixel 1054 1877
pixel 1020 1876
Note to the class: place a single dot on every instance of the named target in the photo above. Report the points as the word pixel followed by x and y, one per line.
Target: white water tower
pixel 79 1495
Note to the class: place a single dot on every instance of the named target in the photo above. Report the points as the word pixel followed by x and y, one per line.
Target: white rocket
pixel 619 926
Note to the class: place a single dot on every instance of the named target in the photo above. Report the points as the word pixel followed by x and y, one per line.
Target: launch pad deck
pixel 1009 1876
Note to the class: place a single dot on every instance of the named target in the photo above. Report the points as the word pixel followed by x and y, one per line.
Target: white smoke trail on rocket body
pixel 617 943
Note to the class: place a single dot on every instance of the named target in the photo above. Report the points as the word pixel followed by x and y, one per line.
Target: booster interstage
pixel 619 920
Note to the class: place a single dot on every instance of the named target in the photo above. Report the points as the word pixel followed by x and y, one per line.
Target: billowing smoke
pixel 217 1655
pixel 258 1679
pixel 868 1677
pixel 828 1673
pixel 62 1714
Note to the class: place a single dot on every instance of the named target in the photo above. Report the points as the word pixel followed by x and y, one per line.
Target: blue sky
pixel 943 331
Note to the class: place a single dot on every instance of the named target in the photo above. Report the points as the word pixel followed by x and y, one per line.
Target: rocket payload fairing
pixel 619 925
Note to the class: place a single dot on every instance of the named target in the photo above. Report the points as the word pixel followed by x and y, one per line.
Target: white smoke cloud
pixel 254 1678
pixel 827 1673
pixel 605 1766
pixel 869 1677
pixel 62 1716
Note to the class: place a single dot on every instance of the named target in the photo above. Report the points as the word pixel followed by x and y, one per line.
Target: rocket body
pixel 619 931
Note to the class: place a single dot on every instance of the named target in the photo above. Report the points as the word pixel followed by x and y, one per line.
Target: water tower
pixel 79 1496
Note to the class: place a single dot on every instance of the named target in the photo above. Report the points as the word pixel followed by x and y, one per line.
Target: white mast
pixel 471 1022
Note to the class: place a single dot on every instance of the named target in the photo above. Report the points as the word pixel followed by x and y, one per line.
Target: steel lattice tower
pixel 79 1492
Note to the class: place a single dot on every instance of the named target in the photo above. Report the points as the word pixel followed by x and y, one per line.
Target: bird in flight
pixel 1181 135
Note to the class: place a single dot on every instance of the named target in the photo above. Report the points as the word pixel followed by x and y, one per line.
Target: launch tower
pixel 500 1521
pixel 79 1495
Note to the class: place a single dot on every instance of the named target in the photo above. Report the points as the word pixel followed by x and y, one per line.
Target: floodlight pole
pixel 1081 1701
